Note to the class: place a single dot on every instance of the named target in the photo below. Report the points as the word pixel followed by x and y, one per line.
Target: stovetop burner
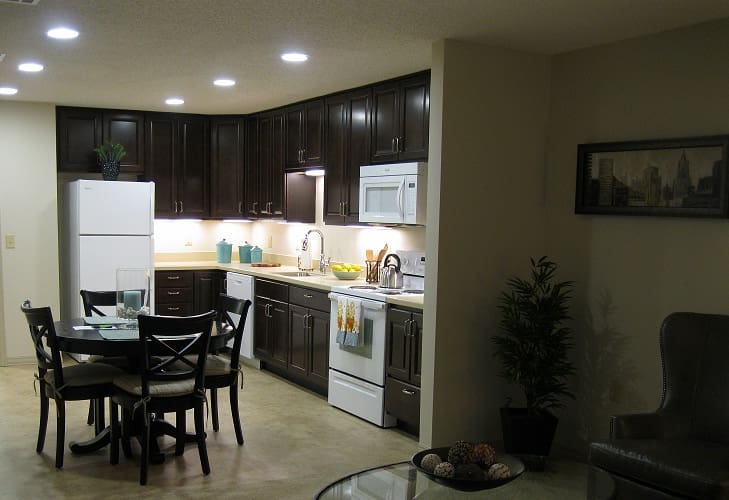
pixel 363 287
pixel 414 292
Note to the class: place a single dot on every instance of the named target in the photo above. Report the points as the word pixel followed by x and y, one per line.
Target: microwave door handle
pixel 400 191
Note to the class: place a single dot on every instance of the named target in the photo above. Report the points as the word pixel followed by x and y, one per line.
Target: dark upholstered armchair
pixel 682 449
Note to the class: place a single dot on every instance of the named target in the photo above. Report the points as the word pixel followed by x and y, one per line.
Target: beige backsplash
pixel 286 260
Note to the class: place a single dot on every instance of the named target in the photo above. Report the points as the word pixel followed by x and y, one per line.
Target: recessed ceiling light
pixel 294 57
pixel 224 82
pixel 30 67
pixel 175 101
pixel 8 91
pixel 62 33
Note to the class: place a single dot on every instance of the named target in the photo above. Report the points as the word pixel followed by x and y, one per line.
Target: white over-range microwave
pixel 394 193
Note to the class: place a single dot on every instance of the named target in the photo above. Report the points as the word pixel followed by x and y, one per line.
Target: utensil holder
pixel 373 271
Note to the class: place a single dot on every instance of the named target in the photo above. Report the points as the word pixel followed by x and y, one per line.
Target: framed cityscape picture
pixel 667 177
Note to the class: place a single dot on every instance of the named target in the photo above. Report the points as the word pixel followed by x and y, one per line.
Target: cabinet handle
pixel 173 293
pixel 408 392
pixel 306 321
pixel 173 308
pixel 182 207
pixel 175 277
pixel 269 207
pixel 399 148
pixel 303 155
pixel 392 147
pixel 253 207
pixel 308 296
pixel 175 206
pixel 240 207
pixel 345 204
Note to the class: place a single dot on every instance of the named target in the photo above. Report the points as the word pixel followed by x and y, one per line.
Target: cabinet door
pixel 78 132
pixel 414 118
pixel 294 136
pixel 276 176
pixel 335 158
pixel 397 353
pixel 385 122
pixel 318 361
pixel 313 133
pixel 160 160
pixel 265 163
pixel 279 333
pixel 252 173
pixel 226 167
pixel 192 174
pixel 358 149
pixel 416 348
pixel 300 198
pixel 128 130
pixel 298 340
pixel 261 341
pixel 206 288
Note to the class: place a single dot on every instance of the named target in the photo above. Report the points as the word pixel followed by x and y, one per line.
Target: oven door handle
pixel 366 304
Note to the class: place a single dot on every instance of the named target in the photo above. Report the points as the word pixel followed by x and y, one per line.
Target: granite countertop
pixel 319 282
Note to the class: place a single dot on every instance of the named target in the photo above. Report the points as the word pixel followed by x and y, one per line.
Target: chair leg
pixel 90 418
pixel 60 431
pixel 234 412
pixel 115 433
pixel 43 425
pixel 126 433
pixel 181 430
pixel 145 450
pixel 200 435
pixel 214 408
pixel 99 419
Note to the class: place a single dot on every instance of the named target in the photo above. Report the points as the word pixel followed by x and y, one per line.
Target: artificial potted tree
pixel 533 346
pixel 109 156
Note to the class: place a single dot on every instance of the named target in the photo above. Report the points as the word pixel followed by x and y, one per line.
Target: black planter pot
pixel 527 434
pixel 110 170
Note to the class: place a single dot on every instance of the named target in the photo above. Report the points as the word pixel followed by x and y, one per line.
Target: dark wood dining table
pixel 91 341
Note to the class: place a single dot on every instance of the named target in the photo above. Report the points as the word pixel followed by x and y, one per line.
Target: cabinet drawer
pixel 306 297
pixel 272 290
pixel 177 279
pixel 174 295
pixel 402 401
pixel 172 309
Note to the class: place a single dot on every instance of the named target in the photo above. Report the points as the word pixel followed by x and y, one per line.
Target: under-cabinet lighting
pixel 294 57
pixel 62 33
pixel 237 220
pixel 30 67
pixel 315 172
pixel 8 91
pixel 224 82
pixel 174 101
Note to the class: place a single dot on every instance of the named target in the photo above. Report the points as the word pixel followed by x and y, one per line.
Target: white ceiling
pixel 135 53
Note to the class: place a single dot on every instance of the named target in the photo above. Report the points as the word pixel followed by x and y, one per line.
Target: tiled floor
pixel 295 445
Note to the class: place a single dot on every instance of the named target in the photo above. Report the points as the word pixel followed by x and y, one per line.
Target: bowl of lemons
pixel 346 271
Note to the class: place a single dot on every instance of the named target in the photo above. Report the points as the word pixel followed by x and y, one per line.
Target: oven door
pixel 367 361
pixel 381 199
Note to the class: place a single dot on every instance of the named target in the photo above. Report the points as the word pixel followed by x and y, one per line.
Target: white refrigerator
pixel 106 225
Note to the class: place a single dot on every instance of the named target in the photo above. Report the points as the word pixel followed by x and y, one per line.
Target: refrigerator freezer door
pixel 118 208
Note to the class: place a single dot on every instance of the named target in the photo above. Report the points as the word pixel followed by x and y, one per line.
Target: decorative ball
pixel 483 453
pixel 460 453
pixel 429 462
pixel 444 469
pixel 498 471
pixel 470 472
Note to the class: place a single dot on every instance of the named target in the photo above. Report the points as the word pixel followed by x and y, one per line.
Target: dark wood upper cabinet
pixel 300 197
pixel 265 198
pixel 252 178
pixel 347 147
pixel 227 167
pixel 400 119
pixel 304 134
pixel 80 130
pixel 177 148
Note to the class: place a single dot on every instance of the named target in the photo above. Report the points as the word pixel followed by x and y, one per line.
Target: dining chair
pixel 70 383
pixel 171 379
pixel 221 372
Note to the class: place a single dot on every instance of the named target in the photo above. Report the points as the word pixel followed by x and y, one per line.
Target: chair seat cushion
pixel 86 374
pixel 217 365
pixel 689 467
pixel 118 361
pixel 132 384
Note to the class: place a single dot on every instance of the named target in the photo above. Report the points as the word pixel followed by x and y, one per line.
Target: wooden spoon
pixel 382 253
pixel 370 254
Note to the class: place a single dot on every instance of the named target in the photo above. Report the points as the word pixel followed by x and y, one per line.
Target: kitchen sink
pixel 295 274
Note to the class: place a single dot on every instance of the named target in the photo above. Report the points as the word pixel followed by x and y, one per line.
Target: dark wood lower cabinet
pixel 271 325
pixel 309 347
pixel 185 293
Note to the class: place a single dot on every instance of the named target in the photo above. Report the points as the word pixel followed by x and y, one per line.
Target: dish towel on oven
pixel 341 318
pixel 353 323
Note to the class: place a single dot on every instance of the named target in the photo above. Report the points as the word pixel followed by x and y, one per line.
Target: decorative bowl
pixel 346 275
pixel 516 467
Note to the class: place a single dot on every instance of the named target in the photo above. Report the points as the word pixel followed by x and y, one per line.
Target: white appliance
pixel 357 374
pixel 394 193
pixel 106 225
pixel 241 286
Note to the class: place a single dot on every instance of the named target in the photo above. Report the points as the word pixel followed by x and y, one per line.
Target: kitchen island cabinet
pixel 403 364
pixel 309 338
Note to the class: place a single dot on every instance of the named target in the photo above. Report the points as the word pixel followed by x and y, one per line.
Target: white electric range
pixel 357 374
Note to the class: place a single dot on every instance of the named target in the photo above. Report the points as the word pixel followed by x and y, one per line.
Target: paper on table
pixel 105 320
pixel 119 334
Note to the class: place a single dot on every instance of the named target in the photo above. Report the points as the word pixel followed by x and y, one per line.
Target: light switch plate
pixel 9 241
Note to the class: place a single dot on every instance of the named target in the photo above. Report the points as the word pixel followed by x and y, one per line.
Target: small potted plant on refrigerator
pixel 109 156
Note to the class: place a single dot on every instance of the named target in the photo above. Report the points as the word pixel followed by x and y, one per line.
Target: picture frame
pixel 664 177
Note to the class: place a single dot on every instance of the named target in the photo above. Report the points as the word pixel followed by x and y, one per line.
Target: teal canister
pixel 256 254
pixel 223 250
pixel 244 253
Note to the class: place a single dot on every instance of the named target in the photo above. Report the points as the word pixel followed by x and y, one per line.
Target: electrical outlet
pixel 9 241
pixel 270 241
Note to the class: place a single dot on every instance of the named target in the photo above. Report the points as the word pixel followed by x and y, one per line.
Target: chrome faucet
pixel 323 261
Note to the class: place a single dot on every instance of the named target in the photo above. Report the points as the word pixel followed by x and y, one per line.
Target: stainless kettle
pixel 390 275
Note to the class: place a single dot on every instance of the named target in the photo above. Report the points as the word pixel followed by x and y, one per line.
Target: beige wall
pixel 488 152
pixel 633 271
pixel 27 210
